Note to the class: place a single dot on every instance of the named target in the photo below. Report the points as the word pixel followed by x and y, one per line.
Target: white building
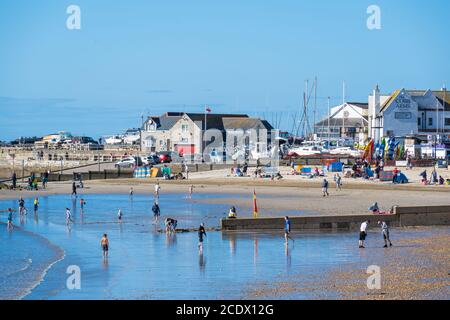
pixel 348 120
pixel 409 113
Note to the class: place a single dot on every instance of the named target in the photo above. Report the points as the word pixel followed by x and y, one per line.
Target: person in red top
pixel 395 173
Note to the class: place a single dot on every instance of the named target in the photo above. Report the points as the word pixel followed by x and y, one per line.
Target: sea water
pixel 37 256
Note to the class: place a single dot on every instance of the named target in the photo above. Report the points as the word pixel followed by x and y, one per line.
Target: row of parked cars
pixel 151 160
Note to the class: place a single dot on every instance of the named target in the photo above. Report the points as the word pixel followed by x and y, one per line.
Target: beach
pixel 321 265
pixel 293 193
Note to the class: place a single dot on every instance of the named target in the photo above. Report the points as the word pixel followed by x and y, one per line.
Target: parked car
pixel 165 157
pixel 129 162
pixel 151 160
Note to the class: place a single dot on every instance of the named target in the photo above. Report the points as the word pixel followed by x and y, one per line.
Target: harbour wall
pixel 401 217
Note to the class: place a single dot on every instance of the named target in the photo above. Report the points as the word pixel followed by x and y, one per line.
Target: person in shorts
pixel 325 188
pixel 363 233
pixel 105 245
pixel 287 229
pixel 156 212
pixel 10 218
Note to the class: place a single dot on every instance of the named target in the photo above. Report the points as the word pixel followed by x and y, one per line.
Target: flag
pixel 368 152
pixel 383 147
pixel 207 109
pixel 255 207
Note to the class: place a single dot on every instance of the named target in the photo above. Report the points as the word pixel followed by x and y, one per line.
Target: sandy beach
pixel 289 194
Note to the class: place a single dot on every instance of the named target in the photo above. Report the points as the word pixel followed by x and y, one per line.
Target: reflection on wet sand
pixel 255 250
pixel 171 239
pixel 201 262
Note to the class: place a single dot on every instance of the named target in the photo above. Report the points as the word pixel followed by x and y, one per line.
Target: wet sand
pixel 416 268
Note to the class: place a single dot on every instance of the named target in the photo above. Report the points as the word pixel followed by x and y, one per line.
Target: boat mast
pixel 329 115
pixel 315 104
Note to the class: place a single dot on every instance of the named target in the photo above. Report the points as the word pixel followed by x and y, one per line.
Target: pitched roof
pixel 361 105
pixel 441 95
pixel 166 121
pixel 348 123
pixel 246 123
pixel 444 98
pixel 213 120
pixel 391 99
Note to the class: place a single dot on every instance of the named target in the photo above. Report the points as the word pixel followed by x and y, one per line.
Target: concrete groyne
pixel 401 217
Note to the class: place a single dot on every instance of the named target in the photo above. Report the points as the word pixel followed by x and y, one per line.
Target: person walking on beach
pixel 22 209
pixel 409 163
pixel 68 217
pixel 119 216
pixel 325 188
pixel 201 233
pixel 10 218
pixel 82 203
pixel 74 189
pixel 36 205
pixel 338 181
pixel 45 180
pixel 385 233
pixel 157 190
pixel 287 229
pixel 434 177
pixel 104 242
pixel 156 212
pixel 131 192
pixel 363 233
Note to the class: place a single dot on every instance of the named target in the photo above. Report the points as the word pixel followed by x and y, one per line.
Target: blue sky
pixel 134 58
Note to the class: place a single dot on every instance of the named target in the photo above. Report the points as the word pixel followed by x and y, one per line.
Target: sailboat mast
pixel 315 104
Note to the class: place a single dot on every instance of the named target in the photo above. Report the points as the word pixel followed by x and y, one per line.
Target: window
pixel 403 115
pixel 184 128
pixel 184 140
pixel 447 121
pixel 419 122
pixel 430 121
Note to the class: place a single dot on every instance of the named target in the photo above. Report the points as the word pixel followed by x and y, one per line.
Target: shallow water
pixel 147 264
pixel 24 259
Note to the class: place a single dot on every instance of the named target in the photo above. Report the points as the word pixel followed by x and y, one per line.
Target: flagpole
pixel 205 116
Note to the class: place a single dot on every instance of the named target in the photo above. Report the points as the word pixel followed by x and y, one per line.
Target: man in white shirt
pixel 363 233
pixel 157 188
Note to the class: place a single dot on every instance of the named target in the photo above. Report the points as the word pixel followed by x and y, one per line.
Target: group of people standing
pixel 434 179
pixel 384 232
pixel 362 232
pixel 22 211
